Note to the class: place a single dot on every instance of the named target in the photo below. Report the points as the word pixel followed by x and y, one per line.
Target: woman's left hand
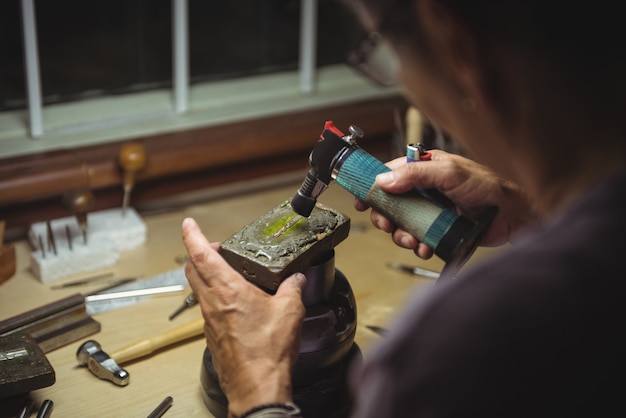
pixel 253 337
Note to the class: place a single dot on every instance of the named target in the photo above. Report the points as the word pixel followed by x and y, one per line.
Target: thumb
pixel 421 175
pixel 194 240
pixel 292 285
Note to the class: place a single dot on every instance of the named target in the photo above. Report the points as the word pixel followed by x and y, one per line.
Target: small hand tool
pixel 105 366
pixel 378 330
pixel 82 282
pixel 413 270
pixel 46 409
pixel 338 157
pixel 132 159
pixel 79 202
pixel 113 285
pixel 162 408
pixel 187 303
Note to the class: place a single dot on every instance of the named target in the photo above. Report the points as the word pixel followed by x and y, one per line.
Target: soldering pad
pixel 23 365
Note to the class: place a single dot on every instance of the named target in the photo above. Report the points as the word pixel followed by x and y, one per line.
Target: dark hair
pixel 574 29
pixel 573 49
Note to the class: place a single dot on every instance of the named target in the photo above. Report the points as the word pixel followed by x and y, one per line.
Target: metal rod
pixel 46 409
pixel 31 58
pixel 68 235
pixel 43 250
pixel 308 45
pixel 161 408
pixel 51 242
pixel 138 292
pixel 180 59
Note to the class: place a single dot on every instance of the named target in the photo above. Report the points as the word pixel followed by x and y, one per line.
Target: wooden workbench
pixel 175 372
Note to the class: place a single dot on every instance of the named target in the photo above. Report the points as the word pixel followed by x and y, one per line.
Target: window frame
pixel 42 128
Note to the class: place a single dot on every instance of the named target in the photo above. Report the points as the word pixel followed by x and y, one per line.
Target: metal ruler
pixel 172 277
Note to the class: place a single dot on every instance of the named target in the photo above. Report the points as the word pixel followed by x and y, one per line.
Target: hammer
pixel 106 366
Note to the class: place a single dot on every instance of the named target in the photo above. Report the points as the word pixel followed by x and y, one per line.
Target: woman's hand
pixel 472 187
pixel 253 337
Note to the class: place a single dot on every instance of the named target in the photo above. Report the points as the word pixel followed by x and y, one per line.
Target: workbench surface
pixel 175 371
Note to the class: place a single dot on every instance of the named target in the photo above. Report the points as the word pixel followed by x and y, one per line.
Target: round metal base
pixel 327 349
pixel 328 396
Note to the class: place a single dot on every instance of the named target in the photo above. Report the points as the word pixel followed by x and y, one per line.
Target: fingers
pixel 423 251
pixel 360 205
pixel 404 239
pixel 382 223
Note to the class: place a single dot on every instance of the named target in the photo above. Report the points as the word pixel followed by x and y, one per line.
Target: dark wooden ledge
pixel 31 186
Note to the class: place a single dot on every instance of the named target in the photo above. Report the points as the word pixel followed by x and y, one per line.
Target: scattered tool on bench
pixel 55 324
pixel 187 303
pixel 414 270
pixel 79 202
pixel 106 366
pixel 69 319
pixel 7 257
pixel 132 159
pixel 377 330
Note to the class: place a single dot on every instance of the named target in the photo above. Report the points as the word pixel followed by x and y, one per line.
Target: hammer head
pixel 90 354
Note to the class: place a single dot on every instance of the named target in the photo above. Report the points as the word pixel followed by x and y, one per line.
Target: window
pixel 117 51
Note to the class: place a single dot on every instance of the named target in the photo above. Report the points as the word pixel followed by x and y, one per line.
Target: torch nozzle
pixel 305 198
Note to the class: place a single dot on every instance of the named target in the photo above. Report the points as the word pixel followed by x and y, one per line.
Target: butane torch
pixel 338 157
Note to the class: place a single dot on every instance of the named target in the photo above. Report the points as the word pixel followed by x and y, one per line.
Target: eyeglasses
pixel 375 59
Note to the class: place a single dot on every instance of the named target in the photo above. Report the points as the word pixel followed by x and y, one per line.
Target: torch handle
pixel 452 237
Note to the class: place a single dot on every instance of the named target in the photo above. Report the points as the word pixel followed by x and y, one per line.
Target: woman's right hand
pixel 471 187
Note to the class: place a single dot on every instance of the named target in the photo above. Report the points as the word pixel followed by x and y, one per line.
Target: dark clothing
pixel 537 331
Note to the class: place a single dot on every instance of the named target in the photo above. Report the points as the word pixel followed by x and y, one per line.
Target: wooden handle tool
pixel 132 159
pixel 147 346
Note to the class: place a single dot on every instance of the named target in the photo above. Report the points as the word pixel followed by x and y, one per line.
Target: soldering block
pixel 126 230
pixel 281 243
pixel 109 232
pixel 23 366
pixel 98 253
